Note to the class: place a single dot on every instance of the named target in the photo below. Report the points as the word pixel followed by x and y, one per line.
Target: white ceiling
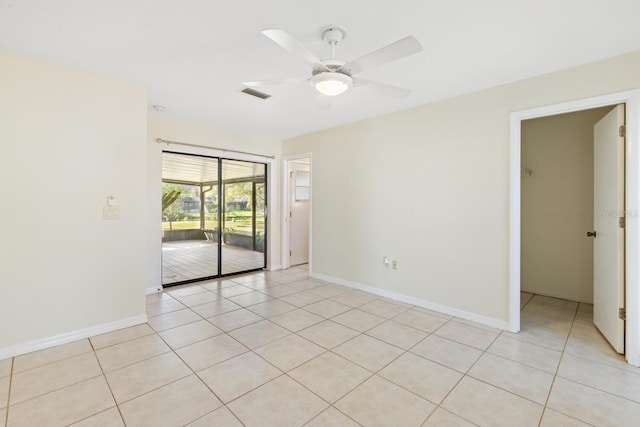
pixel 192 55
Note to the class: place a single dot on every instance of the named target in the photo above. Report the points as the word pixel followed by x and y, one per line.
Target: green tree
pixel 170 211
pixel 236 193
pixel 169 198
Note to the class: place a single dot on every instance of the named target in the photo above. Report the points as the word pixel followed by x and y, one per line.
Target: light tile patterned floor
pixel 194 259
pixel 279 349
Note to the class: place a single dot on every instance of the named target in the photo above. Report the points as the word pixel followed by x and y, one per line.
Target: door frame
pixel 632 207
pixel 286 206
pixel 220 159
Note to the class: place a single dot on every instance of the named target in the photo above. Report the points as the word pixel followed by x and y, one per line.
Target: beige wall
pixel 199 134
pixel 69 139
pixel 557 205
pixel 429 187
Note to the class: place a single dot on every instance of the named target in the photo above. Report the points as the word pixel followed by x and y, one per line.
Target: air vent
pixel 256 93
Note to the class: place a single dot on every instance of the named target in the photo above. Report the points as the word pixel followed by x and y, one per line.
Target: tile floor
pixel 280 349
pixel 192 259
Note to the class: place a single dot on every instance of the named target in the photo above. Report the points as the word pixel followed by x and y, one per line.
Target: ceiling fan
pixel 334 76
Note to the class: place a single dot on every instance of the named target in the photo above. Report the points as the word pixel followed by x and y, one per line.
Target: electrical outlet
pixel 394 264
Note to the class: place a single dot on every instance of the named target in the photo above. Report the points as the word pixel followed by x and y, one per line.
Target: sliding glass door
pixel 243 216
pixel 213 217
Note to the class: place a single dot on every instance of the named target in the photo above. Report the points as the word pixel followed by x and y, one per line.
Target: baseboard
pixel 28 347
pixel 153 290
pixel 274 267
pixel 467 315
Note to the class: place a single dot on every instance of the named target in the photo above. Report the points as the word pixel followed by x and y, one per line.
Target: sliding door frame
pixel 220 212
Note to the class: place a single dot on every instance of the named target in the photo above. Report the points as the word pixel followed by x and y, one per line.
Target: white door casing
pixel 290 163
pixel 608 245
pixel 298 219
pixel 632 195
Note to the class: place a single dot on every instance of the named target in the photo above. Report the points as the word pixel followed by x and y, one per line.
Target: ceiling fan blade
pixel 293 46
pixel 273 82
pixel 394 51
pixel 383 89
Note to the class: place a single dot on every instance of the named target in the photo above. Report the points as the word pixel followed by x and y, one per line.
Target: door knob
pixel 590 234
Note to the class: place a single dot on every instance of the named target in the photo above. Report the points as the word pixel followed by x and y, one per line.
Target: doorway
pixel 213 217
pixel 631 232
pixel 297 211
pixel 557 188
pixel 569 175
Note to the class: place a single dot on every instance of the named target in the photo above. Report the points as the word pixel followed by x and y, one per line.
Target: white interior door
pixel 608 248
pixel 299 193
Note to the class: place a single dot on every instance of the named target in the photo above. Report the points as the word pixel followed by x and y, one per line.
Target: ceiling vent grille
pixel 256 93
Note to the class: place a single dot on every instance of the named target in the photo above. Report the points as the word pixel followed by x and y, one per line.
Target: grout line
pixel 285 373
pixel 6 415
pixel 466 373
pixel 197 375
pixel 376 373
pixel 485 351
pixel 325 351
pixel 401 354
pixel 104 376
pixel 555 374
pixel 452 413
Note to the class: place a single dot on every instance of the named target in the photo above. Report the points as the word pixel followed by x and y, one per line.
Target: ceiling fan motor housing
pixel 333 65
pixel 333 35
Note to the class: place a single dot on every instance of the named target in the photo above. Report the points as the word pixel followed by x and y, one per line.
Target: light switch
pixel 111 212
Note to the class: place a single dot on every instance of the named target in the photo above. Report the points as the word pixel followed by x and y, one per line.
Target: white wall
pixel 429 187
pixel 69 139
pixel 199 134
pixel 557 205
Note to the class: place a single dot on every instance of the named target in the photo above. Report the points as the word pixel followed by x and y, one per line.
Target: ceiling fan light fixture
pixel 331 83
